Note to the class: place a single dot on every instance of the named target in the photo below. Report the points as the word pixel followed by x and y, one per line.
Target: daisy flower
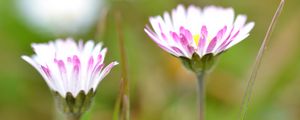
pixel 197 36
pixel 72 70
pixel 210 30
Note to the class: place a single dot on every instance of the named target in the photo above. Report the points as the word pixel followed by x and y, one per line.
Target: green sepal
pixel 74 106
pixel 88 100
pixel 199 64
pixel 70 102
pixel 79 100
pixel 61 103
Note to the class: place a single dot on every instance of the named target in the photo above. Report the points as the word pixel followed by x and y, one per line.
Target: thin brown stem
pixel 257 63
pixel 101 24
pixel 123 107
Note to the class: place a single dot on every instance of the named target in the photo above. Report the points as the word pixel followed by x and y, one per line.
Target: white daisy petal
pixel 244 33
pixel 38 68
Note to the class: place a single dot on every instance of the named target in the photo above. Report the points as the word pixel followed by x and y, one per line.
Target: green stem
pixel 73 117
pixel 201 95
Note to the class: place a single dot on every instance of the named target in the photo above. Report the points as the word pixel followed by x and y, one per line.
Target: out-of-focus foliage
pixel 161 89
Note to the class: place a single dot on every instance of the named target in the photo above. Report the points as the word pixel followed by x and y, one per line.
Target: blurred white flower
pixel 60 16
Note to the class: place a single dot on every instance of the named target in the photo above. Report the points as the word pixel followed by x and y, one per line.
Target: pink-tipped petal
pixel 211 45
pixel 105 71
pixel 90 64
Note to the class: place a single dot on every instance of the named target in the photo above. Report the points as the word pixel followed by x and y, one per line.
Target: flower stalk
pixel 73 117
pixel 201 94
pixel 200 66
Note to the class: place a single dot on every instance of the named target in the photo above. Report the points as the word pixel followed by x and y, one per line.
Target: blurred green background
pixel 161 89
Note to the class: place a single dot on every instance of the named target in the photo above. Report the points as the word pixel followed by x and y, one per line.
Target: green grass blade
pixel 257 63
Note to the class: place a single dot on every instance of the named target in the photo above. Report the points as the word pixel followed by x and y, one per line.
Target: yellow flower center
pixel 196 39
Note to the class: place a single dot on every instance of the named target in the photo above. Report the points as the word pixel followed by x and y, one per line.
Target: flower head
pixel 70 67
pixel 198 31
